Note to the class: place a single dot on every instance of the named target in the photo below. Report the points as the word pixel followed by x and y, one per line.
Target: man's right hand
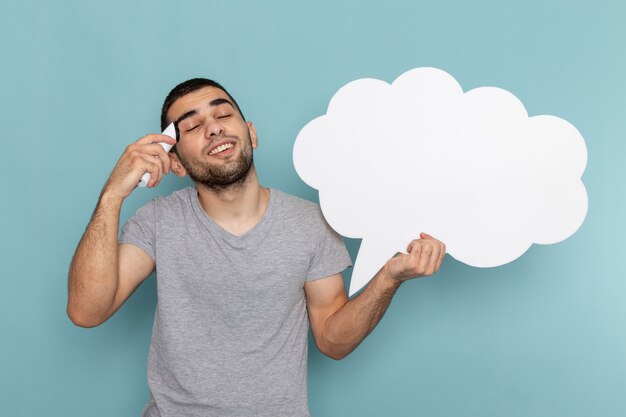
pixel 144 155
pixel 103 274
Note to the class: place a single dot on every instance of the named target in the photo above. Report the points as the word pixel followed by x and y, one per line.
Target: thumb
pixel 425 236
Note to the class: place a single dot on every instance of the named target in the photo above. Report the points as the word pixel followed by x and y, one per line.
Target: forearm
pixel 348 326
pixel 339 324
pixel 93 276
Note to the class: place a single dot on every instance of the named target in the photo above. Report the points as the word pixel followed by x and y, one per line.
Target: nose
pixel 214 128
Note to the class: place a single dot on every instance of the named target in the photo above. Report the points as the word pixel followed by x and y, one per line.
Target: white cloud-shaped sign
pixel 472 169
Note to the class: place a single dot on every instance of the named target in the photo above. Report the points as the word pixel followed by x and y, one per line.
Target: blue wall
pixel 543 336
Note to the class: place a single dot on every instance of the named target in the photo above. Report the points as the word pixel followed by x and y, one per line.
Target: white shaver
pixel 170 131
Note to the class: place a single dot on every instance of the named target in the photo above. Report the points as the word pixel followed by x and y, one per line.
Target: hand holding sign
pixel 472 169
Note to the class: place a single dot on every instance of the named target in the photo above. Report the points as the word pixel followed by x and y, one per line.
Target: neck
pixel 238 208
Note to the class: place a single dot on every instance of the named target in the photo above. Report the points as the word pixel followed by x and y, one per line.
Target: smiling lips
pixel 222 148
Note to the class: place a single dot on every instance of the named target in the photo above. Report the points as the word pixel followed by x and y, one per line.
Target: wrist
pixel 386 281
pixel 109 197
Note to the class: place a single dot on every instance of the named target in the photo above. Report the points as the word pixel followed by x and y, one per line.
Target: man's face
pixel 215 143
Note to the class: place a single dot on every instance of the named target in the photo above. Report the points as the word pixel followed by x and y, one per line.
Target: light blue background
pixel 543 336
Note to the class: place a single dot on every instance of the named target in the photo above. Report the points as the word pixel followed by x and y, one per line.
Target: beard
pixel 220 177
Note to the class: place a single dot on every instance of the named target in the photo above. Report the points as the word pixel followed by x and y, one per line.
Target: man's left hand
pixel 423 258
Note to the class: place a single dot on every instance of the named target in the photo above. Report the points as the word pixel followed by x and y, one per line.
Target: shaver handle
pixel 171 132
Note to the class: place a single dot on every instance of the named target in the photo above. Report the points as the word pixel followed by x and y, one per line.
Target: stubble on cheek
pixel 220 176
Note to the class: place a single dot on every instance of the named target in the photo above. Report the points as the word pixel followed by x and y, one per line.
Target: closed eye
pixel 224 116
pixel 192 128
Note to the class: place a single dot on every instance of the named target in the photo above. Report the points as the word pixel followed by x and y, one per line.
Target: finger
pixel 167 139
pixel 432 262
pixel 167 162
pixel 425 258
pixel 155 138
pixel 152 165
pixel 414 244
pixel 429 237
pixel 442 254
pixel 158 151
pixel 160 163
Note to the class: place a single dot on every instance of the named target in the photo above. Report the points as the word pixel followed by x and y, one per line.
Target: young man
pixel 241 269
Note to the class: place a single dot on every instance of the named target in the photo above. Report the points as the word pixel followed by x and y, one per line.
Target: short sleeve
pixel 140 230
pixel 331 256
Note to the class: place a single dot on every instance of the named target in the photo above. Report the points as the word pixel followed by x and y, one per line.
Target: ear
pixel 253 137
pixel 175 165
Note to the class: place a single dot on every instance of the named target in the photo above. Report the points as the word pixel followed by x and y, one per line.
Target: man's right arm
pixel 103 273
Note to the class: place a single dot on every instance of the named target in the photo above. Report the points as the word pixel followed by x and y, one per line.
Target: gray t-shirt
pixel 230 329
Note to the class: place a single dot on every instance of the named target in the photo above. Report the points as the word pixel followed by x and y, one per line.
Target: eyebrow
pixel 213 103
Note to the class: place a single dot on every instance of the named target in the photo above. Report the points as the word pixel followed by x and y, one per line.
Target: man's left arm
pixel 339 325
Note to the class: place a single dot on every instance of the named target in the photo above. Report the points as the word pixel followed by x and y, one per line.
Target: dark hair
pixel 187 87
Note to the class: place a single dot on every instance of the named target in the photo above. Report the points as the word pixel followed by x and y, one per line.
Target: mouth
pixel 222 149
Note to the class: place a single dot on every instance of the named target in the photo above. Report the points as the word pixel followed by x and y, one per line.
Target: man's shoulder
pixel 291 199
pixel 299 210
pixel 296 204
pixel 175 199
pixel 178 202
